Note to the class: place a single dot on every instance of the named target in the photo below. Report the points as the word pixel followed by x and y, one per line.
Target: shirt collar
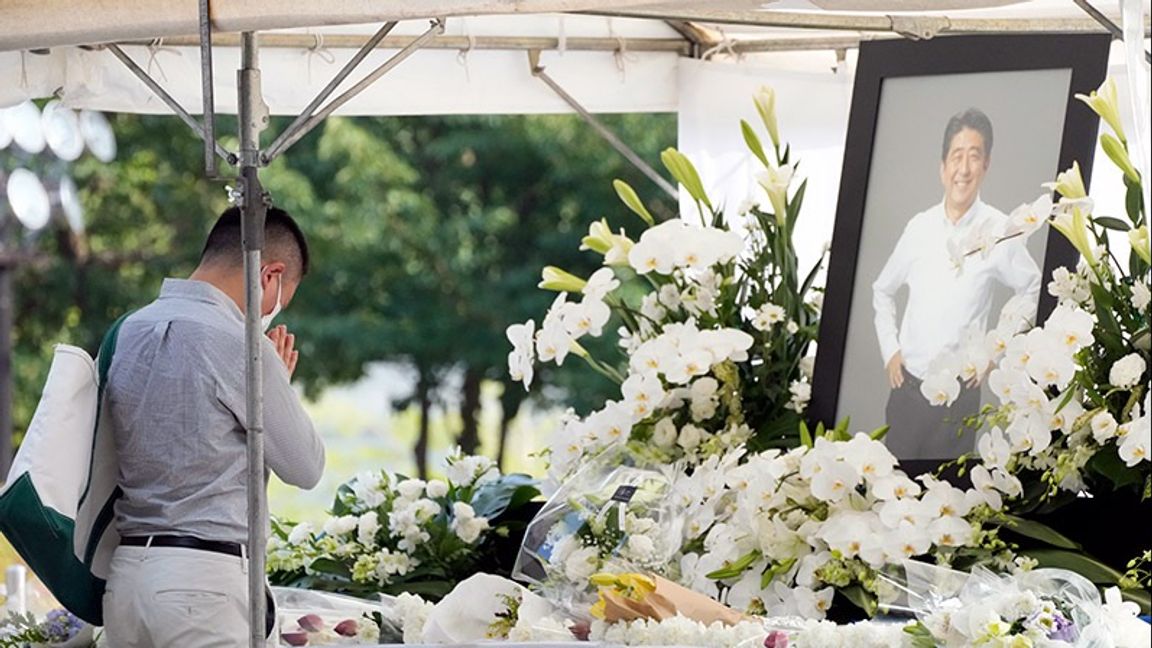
pixel 967 218
pixel 199 291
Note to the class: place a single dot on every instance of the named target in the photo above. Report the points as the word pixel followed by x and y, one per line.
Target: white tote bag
pixel 56 503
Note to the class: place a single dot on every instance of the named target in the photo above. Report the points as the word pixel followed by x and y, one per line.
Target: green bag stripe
pixel 103 519
pixel 104 359
pixel 44 539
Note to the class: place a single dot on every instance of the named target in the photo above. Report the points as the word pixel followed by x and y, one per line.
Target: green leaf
pixel 753 142
pixel 775 570
pixel 330 566
pixel 632 201
pixel 805 435
pixel 1076 561
pixel 1041 532
pixel 1139 597
pixel 736 568
pixel 1108 464
pixel 495 497
pixel 685 173
pixel 1134 201
pixel 795 203
pixel 1112 223
pixel 862 598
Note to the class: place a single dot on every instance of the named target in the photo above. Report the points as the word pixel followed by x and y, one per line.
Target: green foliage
pixel 426 236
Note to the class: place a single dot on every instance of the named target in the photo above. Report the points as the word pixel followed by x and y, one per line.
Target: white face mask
pixel 266 320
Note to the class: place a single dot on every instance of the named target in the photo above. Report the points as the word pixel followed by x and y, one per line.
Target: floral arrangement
pixel 389 533
pixel 780 533
pixel 716 321
pixel 59 628
pixel 312 630
pixel 1074 392
pixel 1044 608
pixel 607 517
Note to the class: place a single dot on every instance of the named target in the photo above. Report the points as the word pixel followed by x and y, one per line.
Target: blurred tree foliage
pixel 428 235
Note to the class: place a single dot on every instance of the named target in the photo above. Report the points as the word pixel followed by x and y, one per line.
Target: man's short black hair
pixel 973 118
pixel 283 240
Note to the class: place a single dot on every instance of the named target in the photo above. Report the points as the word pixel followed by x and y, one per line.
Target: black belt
pixel 185 542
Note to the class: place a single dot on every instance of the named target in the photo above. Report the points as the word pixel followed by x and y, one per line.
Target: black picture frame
pixel 1086 55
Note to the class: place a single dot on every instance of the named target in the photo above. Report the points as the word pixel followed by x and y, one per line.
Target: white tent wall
pixel 812 101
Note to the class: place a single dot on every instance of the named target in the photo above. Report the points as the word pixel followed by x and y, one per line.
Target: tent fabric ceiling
pixel 49 23
pixel 608 62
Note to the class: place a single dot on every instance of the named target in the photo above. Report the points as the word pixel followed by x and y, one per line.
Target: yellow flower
pixel 1073 224
pixel 1139 239
pixel 765 100
pixel 1104 103
pixel 554 278
pixel 1070 183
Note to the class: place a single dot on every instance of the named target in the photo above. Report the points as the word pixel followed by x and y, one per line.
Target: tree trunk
pixel 470 410
pixel 424 397
pixel 510 401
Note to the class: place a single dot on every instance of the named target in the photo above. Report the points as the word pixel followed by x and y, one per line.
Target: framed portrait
pixel 945 139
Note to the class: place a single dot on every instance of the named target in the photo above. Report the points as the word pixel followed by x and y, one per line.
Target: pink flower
pixel 776 639
pixel 347 628
pixel 295 638
pixel 311 623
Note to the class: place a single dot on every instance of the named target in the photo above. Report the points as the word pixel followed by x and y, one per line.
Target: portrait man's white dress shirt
pixel 944 300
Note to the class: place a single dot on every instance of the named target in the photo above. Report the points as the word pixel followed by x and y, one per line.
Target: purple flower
pixel 1065 629
pixel 61 625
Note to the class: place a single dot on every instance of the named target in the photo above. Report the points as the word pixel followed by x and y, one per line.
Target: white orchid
pixel 522 358
pixel 602 282
pixel 1029 217
pixel 585 318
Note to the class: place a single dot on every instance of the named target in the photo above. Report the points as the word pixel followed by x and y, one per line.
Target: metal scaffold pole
pixel 253 118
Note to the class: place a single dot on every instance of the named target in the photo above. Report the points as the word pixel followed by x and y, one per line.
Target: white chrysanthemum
pixel 301 533
pixel 366 528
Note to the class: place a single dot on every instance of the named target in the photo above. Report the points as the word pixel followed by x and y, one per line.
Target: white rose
pixel 580 564
pixel 1126 372
pixel 437 488
pixel 411 488
pixel 367 527
pixel 1141 296
pixel 664 436
pixel 690 437
pixel 1103 427
pixel 340 525
pixel 301 533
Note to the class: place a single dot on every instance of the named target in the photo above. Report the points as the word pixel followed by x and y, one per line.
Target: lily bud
pixel 765 100
pixel 554 278
pixel 1118 153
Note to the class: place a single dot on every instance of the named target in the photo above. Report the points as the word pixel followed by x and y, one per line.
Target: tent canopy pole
pixel 253 118
pixel 601 129
pixel 290 138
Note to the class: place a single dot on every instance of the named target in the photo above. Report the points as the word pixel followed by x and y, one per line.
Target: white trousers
pixel 171 597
